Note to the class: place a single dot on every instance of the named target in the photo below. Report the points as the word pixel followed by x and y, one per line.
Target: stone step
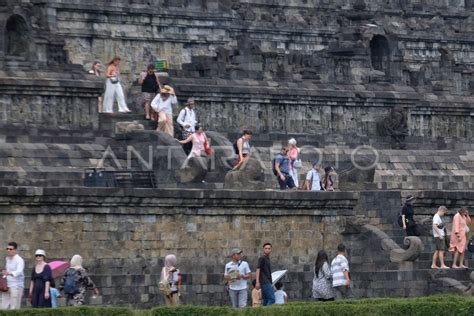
pixel 411 275
pixel 21 134
pixel 393 266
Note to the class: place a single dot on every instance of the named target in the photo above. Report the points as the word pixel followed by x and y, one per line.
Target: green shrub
pixel 70 311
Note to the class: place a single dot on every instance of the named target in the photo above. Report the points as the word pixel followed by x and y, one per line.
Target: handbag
pixel 114 80
pixel 297 164
pixel 3 285
pixel 207 148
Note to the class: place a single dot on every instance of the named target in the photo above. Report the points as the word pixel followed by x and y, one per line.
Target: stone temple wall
pixel 123 234
pixel 373 54
pixel 418 55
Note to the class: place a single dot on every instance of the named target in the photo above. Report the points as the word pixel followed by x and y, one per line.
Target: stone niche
pixel 380 54
pixel 17 37
pixel 38 85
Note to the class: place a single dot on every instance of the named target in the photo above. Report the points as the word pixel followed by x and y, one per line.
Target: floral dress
pixel 322 283
pixel 84 282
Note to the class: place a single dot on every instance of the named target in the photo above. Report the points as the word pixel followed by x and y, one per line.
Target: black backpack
pixel 275 172
pixel 70 284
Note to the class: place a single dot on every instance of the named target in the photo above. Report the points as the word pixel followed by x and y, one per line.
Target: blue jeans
pixel 268 296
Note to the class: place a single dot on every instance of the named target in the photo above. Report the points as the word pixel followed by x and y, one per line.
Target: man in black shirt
pixel 409 224
pixel 264 276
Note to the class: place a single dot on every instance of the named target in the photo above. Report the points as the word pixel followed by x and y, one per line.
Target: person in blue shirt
pixel 282 168
pixel 53 293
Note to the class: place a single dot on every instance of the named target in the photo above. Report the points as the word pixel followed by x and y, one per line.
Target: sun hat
pixel 40 252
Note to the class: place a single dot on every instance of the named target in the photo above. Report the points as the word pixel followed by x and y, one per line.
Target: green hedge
pixel 70 311
pixel 431 306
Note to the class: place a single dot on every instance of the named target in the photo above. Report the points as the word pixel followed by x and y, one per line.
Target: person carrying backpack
pixel 281 169
pixel 75 282
pixel 188 121
pixel 170 281
pixel 242 148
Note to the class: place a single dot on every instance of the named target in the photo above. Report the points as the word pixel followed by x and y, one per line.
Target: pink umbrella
pixel 58 267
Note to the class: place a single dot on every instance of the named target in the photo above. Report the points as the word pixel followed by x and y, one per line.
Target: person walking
pixel 198 140
pixel 41 277
pixel 172 276
pixel 187 120
pixel 439 238
pixel 341 281
pixel 328 183
pixel 264 276
pixel 76 281
pixel 313 178
pixel 458 237
pixel 14 273
pixel 113 88
pixel 237 272
pixel 322 281
pixel 243 148
pixel 95 70
pixel 295 162
pixel 163 105
pixel 409 224
pixel 150 83
pixel 282 170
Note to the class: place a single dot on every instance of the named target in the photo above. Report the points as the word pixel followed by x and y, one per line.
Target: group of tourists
pixel 456 242
pixel 331 280
pixel 158 103
pixel 286 165
pixel 75 281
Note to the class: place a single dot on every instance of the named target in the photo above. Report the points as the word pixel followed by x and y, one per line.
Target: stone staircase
pixel 47 157
pixel 374 275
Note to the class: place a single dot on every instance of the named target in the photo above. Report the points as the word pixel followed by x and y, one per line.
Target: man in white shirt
pixel 163 105
pixel 438 234
pixel 237 272
pixel 14 272
pixel 187 120
pixel 341 281
pixel 313 178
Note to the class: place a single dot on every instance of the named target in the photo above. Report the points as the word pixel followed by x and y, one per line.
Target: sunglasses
pixel 9 249
pixel 39 256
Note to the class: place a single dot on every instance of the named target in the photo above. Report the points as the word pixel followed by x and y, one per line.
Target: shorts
pixel 147 96
pixel 440 244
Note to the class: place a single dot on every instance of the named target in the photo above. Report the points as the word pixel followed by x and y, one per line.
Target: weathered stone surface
pixel 249 177
pixel 125 127
pixel 194 169
pixel 415 247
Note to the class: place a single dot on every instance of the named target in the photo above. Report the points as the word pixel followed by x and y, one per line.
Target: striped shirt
pixel 338 266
